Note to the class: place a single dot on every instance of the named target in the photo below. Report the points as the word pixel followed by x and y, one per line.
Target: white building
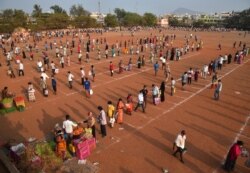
pixel 163 22
pixel 98 16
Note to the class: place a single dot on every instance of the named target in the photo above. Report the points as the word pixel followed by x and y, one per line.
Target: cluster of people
pixel 155 45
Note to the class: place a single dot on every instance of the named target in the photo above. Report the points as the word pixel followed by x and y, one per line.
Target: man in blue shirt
pixel 87 87
pixel 156 67
pixel 53 82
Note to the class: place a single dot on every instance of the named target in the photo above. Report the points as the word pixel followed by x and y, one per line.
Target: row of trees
pixel 78 17
pixel 239 21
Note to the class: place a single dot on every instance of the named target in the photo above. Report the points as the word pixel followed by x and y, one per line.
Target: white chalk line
pixel 235 139
pixel 115 79
pixel 183 101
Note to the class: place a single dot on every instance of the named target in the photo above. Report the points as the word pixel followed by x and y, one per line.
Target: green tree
pixel 57 21
pixel 111 20
pixel 173 21
pixel 78 10
pixel 85 22
pixel 5 21
pixel 19 18
pixel 37 11
pixel 239 20
pixel 120 14
pixel 149 19
pixel 58 9
pixel 132 19
pixel 198 23
pixel 11 19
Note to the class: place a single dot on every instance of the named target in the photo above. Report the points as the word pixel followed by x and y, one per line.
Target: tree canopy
pixel 80 18
pixel 58 9
pixel 78 10
pixel 37 11
pixel 11 19
pixel 111 20
pixel 239 21
pixel 149 19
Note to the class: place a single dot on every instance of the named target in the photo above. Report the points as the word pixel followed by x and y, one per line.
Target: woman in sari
pixel 119 108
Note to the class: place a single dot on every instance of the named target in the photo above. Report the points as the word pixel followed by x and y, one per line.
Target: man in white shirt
pixel 21 68
pixel 140 101
pixel 68 126
pixel 82 75
pixel 205 71
pixel 39 65
pixel 44 76
pixel 80 57
pixel 163 61
pixel 70 79
pixel 180 144
pixel 53 67
pixel 172 86
pixel 155 93
pixel 220 62
pixel 102 120
pixel 218 89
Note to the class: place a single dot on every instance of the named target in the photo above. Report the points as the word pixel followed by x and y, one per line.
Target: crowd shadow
pixel 45 129
pixel 10 131
pixel 151 162
pixel 147 138
pixel 74 110
pixel 85 107
pixel 210 121
pixel 193 151
pixel 220 114
pixel 209 133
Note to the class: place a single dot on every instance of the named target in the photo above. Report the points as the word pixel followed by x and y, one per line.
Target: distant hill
pixel 181 11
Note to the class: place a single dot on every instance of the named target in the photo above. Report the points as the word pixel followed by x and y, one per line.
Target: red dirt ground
pixel 144 142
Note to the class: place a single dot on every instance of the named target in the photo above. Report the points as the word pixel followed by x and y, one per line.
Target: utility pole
pixel 136 5
pixel 99 7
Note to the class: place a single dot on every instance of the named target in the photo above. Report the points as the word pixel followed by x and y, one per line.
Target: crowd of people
pixel 58 50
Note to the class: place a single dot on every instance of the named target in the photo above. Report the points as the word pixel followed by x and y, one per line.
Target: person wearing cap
pixel 180 144
pixel 232 156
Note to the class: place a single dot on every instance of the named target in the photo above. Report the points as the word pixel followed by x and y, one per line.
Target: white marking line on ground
pixel 188 98
pixel 159 108
pixel 60 91
pixel 131 125
pixel 185 91
pixel 244 136
pixel 209 80
pixel 149 61
pixel 235 139
pixel 141 114
pixel 179 96
pixel 170 102
pixel 72 93
pixel 197 88
pixel 115 79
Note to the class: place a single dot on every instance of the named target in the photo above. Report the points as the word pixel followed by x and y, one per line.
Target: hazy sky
pixel 140 6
